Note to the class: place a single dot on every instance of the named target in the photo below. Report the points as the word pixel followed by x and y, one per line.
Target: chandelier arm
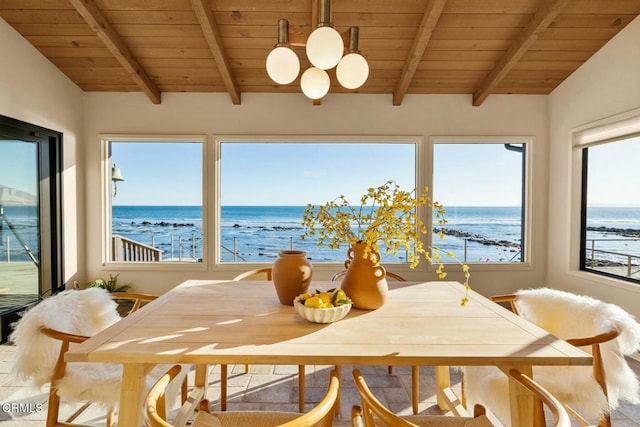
pixel 283 33
pixel 324 13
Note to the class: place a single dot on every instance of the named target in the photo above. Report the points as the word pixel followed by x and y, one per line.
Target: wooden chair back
pixel 138 300
pixel 156 413
pixel 389 274
pixel 373 409
pixel 266 271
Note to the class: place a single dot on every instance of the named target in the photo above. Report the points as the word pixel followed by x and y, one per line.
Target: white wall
pixel 293 114
pixel 606 85
pixel 33 90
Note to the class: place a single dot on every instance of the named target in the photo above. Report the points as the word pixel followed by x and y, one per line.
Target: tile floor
pixel 266 387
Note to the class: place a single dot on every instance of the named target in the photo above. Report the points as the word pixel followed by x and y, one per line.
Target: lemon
pixel 338 296
pixel 304 296
pixel 326 297
pixel 327 305
pixel 314 302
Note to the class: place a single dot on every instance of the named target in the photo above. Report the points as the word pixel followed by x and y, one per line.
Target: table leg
pixel 443 382
pixel 521 401
pixel 132 394
pixel 201 379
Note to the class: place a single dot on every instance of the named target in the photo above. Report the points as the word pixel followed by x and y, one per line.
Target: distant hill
pixel 12 197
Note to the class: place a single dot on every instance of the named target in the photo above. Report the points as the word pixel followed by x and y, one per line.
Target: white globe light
pixel 315 83
pixel 352 71
pixel 324 48
pixel 283 65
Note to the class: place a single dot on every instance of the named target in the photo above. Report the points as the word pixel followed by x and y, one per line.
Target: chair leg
pixel 338 370
pixel 301 381
pixel 54 408
pixel 605 421
pixel 184 392
pixel 223 387
pixel 415 388
pixel 110 418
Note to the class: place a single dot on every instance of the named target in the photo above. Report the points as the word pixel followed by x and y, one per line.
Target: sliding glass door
pixel 30 243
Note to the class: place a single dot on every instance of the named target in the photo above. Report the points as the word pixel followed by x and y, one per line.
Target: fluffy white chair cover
pixel 84 312
pixel 566 316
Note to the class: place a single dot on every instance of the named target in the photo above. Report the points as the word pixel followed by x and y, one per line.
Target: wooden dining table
pixel 206 322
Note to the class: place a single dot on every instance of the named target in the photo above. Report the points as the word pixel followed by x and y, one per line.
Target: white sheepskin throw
pixel 567 316
pixel 85 312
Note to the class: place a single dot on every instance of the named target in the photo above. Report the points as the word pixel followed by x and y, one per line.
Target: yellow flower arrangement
pixel 386 215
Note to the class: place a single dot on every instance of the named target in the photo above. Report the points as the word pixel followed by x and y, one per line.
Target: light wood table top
pixel 210 322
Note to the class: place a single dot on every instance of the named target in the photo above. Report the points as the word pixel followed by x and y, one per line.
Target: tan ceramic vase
pixel 291 275
pixel 365 280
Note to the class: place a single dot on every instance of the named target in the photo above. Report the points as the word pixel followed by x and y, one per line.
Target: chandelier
pixel 325 51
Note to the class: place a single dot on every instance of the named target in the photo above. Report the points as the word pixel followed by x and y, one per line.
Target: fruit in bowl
pixel 323 307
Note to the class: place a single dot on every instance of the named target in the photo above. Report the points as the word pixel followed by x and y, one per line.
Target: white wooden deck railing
pixel 124 249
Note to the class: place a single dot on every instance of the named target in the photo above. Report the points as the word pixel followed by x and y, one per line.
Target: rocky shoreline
pixel 624 232
pixel 477 238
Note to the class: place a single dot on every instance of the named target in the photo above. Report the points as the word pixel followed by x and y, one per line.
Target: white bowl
pixel 321 315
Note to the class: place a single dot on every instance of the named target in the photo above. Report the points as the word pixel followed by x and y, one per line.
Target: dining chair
pixel 265 272
pixel 156 414
pixel 372 410
pixel 67 317
pixel 602 329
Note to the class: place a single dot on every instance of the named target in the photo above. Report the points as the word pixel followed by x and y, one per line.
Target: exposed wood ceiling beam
pixel 420 42
pixel 98 23
pixel 212 35
pixel 540 22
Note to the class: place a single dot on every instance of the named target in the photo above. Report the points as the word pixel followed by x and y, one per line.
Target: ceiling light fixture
pixel 325 50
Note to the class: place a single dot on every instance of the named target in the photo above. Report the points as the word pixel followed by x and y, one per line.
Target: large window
pixel 610 243
pixel 156 200
pixel 481 183
pixel 253 191
pixel 266 185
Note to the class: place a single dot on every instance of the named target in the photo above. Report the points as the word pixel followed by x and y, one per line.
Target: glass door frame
pixel 49 153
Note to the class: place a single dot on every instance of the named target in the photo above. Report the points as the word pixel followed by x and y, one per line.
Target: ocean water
pixel 258 233
pixel 24 221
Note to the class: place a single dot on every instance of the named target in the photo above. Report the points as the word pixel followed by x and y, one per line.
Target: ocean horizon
pixel 258 233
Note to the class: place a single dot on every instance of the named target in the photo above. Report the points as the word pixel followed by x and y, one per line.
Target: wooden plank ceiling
pixel 412 46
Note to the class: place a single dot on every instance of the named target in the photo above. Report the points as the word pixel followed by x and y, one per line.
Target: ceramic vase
pixel 365 280
pixel 291 275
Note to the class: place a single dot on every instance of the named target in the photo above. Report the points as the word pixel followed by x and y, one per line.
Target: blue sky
pixel 609 179
pixel 294 174
pixel 18 162
pixel 301 173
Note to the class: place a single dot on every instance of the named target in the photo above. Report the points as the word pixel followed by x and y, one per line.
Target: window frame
pixel 106 209
pixel 606 131
pixel 527 209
